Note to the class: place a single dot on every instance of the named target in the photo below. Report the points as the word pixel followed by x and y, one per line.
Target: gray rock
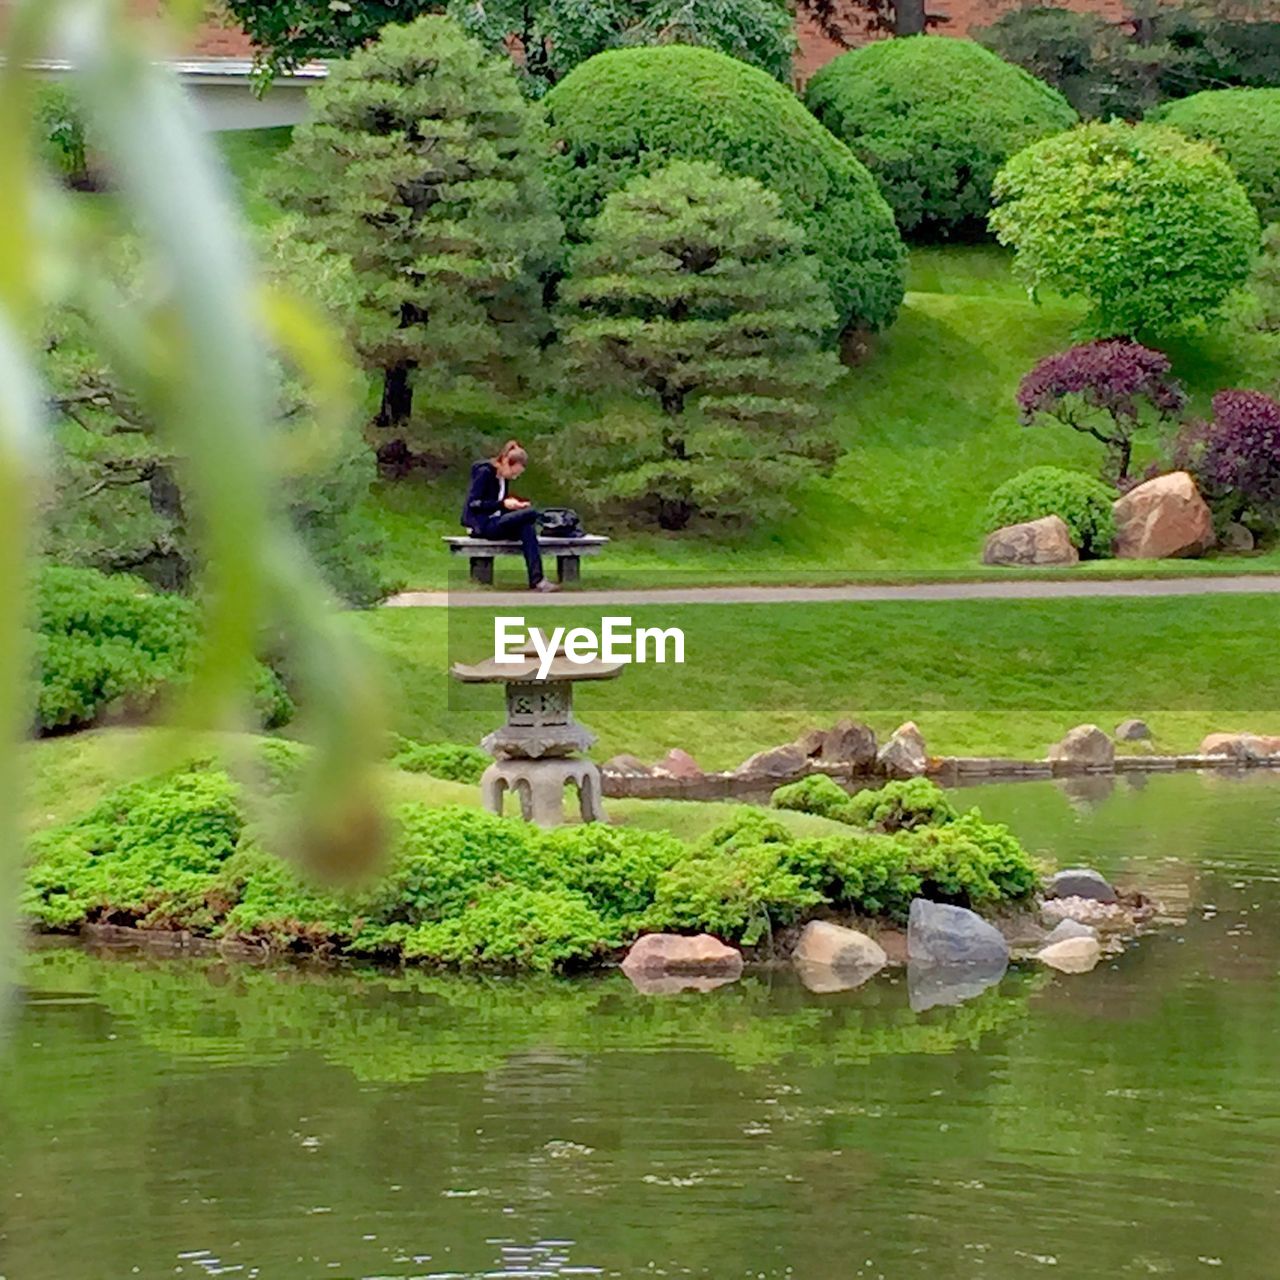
pixel 931 985
pixel 627 767
pixel 1043 541
pixel 1068 928
pixel 849 957
pixel 1132 731
pixel 1072 955
pixel 1110 917
pixel 776 763
pixel 1081 882
pixel 940 934
pixel 810 742
pixel 1086 744
pixel 904 755
pixel 849 743
pixel 1235 537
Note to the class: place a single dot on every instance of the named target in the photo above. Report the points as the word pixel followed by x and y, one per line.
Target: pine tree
pixel 694 292
pixel 421 167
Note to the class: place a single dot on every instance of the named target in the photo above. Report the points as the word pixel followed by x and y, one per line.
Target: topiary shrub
pixel 1082 503
pixel 631 111
pixel 902 806
pixel 934 118
pixel 108 644
pixel 694 292
pixel 449 761
pixel 1244 124
pixel 1151 227
pixel 818 794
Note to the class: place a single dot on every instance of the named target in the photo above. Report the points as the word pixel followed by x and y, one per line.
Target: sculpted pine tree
pixel 421 166
pixel 695 291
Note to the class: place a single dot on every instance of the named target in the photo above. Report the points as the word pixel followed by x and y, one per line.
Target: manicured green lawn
pixel 979 677
pixel 927 427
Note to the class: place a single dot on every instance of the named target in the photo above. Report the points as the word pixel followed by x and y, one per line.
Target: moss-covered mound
pixel 934 118
pixel 635 110
pixel 467 889
pixel 1244 124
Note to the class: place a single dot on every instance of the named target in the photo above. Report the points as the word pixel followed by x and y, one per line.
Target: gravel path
pixel 1021 589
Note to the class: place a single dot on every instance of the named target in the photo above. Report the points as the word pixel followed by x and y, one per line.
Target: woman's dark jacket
pixel 483 496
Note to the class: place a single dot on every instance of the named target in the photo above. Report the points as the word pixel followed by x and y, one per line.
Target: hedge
pixel 635 110
pixel 934 118
pixel 1244 124
pixel 467 889
pixel 1083 503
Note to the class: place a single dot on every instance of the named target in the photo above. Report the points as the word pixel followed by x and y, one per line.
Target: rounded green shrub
pixel 904 805
pixel 1083 503
pixel 449 761
pixel 934 118
pixel 1244 124
pixel 636 110
pixel 1150 226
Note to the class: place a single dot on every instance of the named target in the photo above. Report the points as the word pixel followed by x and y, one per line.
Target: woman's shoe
pixel 544 584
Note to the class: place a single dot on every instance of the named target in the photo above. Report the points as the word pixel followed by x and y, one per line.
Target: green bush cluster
pixel 449 761
pixel 61 138
pixel 934 118
pixel 1148 225
pixel 1085 505
pixel 902 805
pixel 1244 124
pixel 110 645
pixel 466 889
pixel 636 110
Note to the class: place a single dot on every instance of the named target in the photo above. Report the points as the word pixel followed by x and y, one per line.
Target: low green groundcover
pixel 463 888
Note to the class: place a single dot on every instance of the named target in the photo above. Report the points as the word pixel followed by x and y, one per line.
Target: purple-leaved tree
pixel 1109 390
pixel 1239 458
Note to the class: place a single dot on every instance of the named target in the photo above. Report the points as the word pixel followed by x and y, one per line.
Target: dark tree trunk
pixel 397 397
pixel 909 17
pixel 673 513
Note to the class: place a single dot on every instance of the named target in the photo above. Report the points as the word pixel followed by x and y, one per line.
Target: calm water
pixel 171 1118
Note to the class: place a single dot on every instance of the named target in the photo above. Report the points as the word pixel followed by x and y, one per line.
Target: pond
pixel 168 1117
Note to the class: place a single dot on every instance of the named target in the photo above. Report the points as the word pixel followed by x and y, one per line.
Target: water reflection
pixel 183 1118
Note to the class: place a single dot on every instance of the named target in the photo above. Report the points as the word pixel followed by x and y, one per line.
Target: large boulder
pixel 671 953
pixel 1085 745
pixel 1072 955
pixel 849 743
pixel 852 954
pixel 904 755
pixel 1081 882
pixel 1244 747
pixel 678 764
pixel 1163 519
pixel 774 765
pixel 1043 541
pixel 940 934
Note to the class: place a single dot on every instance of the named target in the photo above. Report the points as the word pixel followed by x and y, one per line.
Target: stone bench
pixel 480 553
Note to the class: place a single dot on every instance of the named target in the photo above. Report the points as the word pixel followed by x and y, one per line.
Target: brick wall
pixel 963 17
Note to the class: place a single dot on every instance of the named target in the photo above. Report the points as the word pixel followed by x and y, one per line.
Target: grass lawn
pixel 979 677
pixel 927 427
pixel 67 776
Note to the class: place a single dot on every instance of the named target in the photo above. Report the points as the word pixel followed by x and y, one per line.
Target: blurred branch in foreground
pixel 196 351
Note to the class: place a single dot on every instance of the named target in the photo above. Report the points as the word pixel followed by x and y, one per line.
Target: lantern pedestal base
pixel 540 785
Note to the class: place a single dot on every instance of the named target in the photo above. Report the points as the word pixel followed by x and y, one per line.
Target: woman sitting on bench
pixel 493 512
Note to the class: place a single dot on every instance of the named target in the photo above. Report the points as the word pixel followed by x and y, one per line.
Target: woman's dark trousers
pixel 521 525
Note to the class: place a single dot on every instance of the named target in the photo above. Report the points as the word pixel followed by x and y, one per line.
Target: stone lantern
pixel 536 751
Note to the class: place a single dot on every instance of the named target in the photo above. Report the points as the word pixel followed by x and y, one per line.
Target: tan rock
pixel 1238 746
pixel 1072 955
pixel 678 764
pixel 1086 744
pixel 1043 541
pixel 832 946
pixel 904 755
pixel 775 764
pixel 1163 519
pixel 673 953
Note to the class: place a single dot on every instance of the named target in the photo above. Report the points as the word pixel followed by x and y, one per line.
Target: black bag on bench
pixel 561 522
